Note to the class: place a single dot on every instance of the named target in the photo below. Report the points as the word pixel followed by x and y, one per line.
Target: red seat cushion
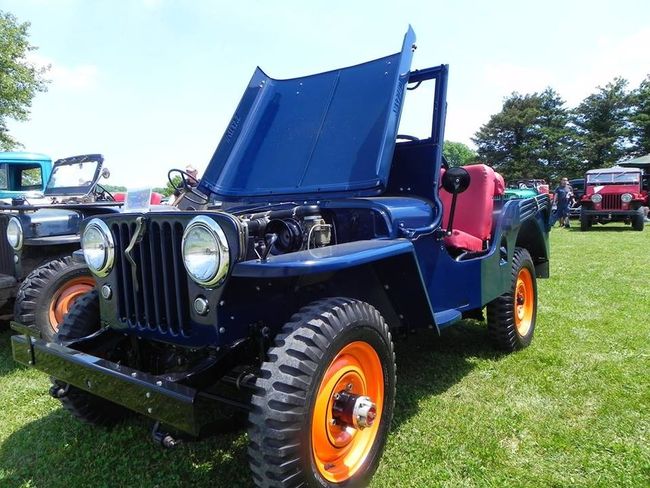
pixel 463 240
pixel 473 218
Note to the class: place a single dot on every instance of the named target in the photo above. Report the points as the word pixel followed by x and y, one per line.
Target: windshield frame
pixel 79 190
pixel 611 176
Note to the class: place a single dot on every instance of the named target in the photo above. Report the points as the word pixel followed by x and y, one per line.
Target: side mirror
pixel 456 180
pixel 105 173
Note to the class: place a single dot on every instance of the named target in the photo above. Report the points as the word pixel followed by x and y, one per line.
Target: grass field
pixel 571 410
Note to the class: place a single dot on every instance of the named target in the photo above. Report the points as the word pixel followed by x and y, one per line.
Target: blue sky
pixel 151 84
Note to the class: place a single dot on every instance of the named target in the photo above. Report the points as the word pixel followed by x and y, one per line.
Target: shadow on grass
pixel 428 365
pixel 59 451
pixel 7 363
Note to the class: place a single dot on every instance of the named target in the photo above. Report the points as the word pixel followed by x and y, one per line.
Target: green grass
pixel 571 410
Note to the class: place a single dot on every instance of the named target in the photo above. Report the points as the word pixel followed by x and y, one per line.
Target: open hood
pixel 330 134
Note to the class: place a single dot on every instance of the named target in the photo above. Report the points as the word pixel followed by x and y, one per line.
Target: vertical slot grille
pixel 6 251
pixel 612 202
pixel 159 301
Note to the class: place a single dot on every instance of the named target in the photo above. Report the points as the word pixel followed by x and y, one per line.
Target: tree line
pixel 537 136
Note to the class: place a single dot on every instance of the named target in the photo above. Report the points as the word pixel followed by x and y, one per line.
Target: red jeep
pixel 613 195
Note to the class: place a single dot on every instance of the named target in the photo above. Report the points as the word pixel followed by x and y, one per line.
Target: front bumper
pixel 610 214
pixel 168 402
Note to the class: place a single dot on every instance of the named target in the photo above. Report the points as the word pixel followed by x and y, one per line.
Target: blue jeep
pixel 23 174
pixel 40 232
pixel 283 301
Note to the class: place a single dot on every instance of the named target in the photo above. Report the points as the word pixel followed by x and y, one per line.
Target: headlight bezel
pixel 596 198
pixel 21 235
pixel 216 232
pixel 109 247
pixel 627 197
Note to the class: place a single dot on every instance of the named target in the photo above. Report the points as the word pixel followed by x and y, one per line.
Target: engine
pixel 287 230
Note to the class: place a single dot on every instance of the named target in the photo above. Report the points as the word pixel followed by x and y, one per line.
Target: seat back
pixel 474 206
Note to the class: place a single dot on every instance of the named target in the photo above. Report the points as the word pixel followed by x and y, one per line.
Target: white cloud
pixel 80 77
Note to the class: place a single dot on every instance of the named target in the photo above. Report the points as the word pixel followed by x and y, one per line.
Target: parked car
pixel 283 303
pixel 613 195
pixel 526 188
pixel 23 174
pixel 41 233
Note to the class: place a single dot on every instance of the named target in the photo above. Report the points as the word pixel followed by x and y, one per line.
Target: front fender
pixel 323 259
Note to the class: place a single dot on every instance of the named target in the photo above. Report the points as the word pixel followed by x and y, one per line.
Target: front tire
pixel 324 399
pixel 81 321
pixel 512 316
pixel 48 292
pixel 638 221
pixel 585 222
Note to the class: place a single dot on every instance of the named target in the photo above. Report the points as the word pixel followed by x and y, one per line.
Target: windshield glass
pixel 73 175
pixel 613 178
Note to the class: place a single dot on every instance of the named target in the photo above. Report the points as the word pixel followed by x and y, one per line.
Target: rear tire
pixel 638 221
pixel 336 346
pixel 48 292
pixel 81 321
pixel 511 317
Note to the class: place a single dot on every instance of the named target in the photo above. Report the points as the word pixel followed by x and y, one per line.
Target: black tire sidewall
pixel 525 262
pixel 369 334
pixel 48 290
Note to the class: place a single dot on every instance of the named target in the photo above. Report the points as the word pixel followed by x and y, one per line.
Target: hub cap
pixel 524 301
pixel 66 296
pixel 347 412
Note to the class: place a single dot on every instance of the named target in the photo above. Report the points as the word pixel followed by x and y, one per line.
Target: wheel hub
pixel 358 411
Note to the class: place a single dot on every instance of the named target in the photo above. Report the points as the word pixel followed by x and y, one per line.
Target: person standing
pixel 562 200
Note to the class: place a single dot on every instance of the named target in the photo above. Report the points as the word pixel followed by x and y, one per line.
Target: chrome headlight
pixel 626 197
pixel 15 233
pixel 596 198
pixel 205 251
pixel 98 247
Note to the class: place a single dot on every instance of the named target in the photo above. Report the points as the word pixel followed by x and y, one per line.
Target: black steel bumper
pixel 609 214
pixel 168 402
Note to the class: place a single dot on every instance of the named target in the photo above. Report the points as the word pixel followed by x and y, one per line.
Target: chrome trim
pixel 109 250
pixel 21 234
pixel 222 244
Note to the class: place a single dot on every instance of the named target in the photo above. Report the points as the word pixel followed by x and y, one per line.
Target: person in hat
pixel 194 175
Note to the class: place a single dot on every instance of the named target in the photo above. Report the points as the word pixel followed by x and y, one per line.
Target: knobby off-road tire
pixel 585 222
pixel 48 292
pixel 511 317
pixel 638 221
pixel 330 346
pixel 81 321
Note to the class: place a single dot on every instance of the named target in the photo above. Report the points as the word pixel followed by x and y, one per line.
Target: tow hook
pixel 57 391
pixel 163 439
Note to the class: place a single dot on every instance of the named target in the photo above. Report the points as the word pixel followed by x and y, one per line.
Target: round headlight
pixel 596 198
pixel 15 233
pixel 626 197
pixel 205 251
pixel 98 247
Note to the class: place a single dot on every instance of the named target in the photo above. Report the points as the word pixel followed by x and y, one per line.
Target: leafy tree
pixel 640 119
pixel 458 154
pixel 115 188
pixel 601 121
pixel 19 80
pixel 530 138
pixel 169 188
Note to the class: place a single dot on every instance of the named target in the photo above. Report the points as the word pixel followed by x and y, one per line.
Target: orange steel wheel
pixel 66 296
pixel 524 301
pixel 338 449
